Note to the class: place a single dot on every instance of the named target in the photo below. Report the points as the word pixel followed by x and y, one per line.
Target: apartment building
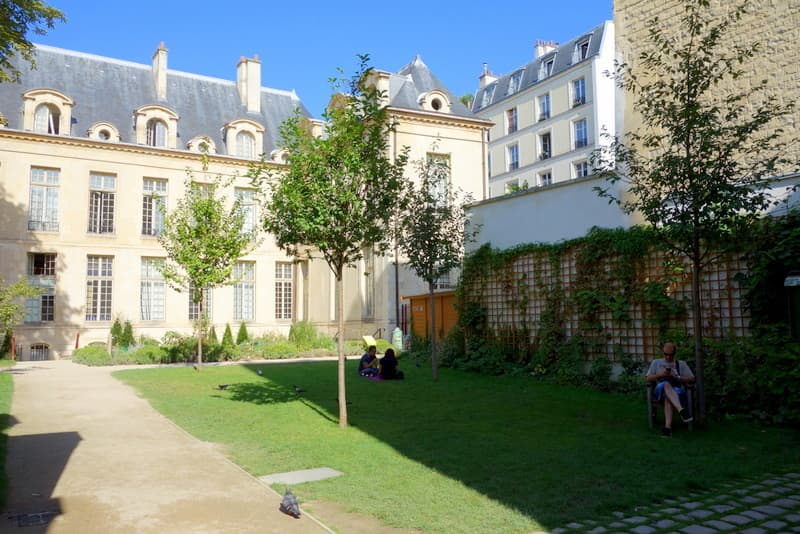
pixel 550 113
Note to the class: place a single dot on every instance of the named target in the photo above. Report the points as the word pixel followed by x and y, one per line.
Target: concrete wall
pixel 549 214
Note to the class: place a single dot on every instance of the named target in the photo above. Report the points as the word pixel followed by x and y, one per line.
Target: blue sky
pixel 302 43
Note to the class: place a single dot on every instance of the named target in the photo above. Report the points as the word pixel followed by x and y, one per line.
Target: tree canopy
pixel 708 148
pixel 17 18
pixel 203 238
pixel 12 305
pixel 340 190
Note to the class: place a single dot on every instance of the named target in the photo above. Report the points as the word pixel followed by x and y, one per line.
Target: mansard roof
pixel 562 57
pixel 109 90
pixel 410 83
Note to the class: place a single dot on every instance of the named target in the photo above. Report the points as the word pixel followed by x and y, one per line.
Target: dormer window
pixel 488 94
pixel 47 111
pixel 156 133
pixel 515 82
pixel 156 126
pixel 581 51
pixel 244 138
pixel 103 131
pixel 279 155
pixel 435 100
pixel 546 67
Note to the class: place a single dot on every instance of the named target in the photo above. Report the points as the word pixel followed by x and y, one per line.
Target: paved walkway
pixel 754 506
pixel 86 454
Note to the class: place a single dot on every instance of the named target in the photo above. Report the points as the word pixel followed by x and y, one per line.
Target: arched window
pixel 245 145
pixel 156 133
pixel 46 119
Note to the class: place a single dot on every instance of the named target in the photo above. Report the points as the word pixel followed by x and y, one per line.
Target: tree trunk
pixel 697 325
pixel 432 307
pixel 340 343
pixel 199 330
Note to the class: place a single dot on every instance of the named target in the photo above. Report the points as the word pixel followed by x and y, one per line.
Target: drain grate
pixel 37 518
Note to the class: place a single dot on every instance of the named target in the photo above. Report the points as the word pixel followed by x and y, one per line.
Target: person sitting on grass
pixel 388 367
pixel 368 366
pixel 670 375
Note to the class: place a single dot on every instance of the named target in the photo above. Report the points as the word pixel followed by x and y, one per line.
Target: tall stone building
pixel 773 24
pixel 91 146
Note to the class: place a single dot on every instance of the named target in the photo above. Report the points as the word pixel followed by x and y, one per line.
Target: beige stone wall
pixel 775 24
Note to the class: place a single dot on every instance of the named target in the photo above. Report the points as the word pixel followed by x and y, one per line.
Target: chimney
pixel 248 80
pixel 486 77
pixel 160 71
pixel 544 47
pixel 380 80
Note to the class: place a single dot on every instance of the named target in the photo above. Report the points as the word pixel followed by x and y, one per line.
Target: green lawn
pixel 6 391
pixel 468 453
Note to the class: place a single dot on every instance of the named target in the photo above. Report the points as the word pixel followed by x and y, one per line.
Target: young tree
pixel 12 303
pixel 339 191
pixel 434 227
pixel 17 18
pixel 707 150
pixel 203 238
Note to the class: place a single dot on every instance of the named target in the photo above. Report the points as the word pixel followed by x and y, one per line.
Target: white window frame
pixel 44 195
pixel 545 178
pixel 515 81
pixel 41 274
pixel 580 169
pixel 169 118
pixel 578 92
pixel 194 307
pixel 512 120
pixel 232 138
pixel 99 287
pixel 152 296
pixel 545 145
pixel 580 129
pixel 154 201
pixel 543 101
pixel 102 203
pixel 247 205
pixel 244 291
pixel 284 290
pixel 59 106
pixel 512 157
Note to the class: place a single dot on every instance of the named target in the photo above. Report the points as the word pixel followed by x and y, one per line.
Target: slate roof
pixel 106 89
pixel 562 58
pixel 410 82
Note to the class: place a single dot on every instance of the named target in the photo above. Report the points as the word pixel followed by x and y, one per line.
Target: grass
pixel 468 453
pixel 6 392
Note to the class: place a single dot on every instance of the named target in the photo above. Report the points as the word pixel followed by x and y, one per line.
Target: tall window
pixel 98 288
pixel 284 290
pixel 153 204
pixel 245 145
pixel 153 289
pixel 545 146
pixel 578 92
pixel 544 107
pixel 244 291
pixel 247 204
pixel 515 82
pixel 43 214
pixel 545 178
pixel 581 134
pixel 581 169
pixel 439 167
pixel 41 274
pixel 101 203
pixel 368 281
pixel 156 133
pixel 513 157
pixel 546 68
pixel 511 119
pixel 194 307
pixel 443 282
pixel 46 119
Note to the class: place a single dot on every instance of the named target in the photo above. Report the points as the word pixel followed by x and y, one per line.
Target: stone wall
pixel 775 24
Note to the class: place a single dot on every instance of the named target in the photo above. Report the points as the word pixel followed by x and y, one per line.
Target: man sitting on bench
pixel 670 375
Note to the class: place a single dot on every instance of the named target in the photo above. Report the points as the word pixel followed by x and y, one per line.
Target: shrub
pixel 91 355
pixel 227 337
pixel 241 335
pixel 148 354
pixel 212 336
pixel 279 349
pixel 600 373
pixel 306 336
pixel 5 348
pixel 126 339
pixel 116 332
